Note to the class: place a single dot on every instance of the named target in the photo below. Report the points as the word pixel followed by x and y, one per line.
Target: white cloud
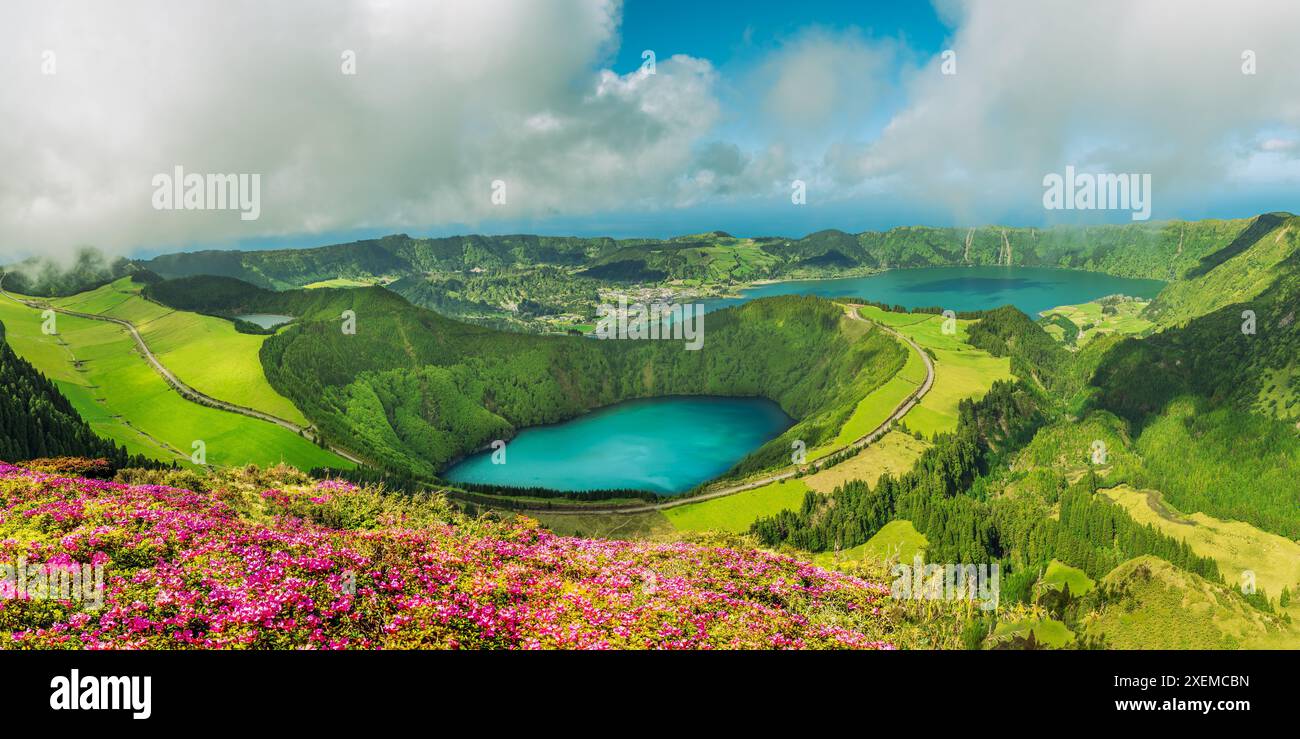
pixel 448 97
pixel 821 80
pixel 1276 144
pixel 1150 87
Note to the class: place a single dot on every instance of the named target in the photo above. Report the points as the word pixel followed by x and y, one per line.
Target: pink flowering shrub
pixel 330 565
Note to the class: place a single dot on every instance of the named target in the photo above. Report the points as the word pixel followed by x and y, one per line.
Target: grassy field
pixel 878 405
pixel 1059 574
pixel 339 282
pixel 960 370
pixel 735 513
pixel 896 541
pixel 1236 546
pixel 606 525
pixel 1067 449
pixel 206 353
pixel 1092 321
pixel 1046 631
pixel 894 453
pixel 743 261
pixel 120 395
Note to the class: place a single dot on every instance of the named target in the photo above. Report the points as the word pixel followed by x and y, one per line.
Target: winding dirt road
pixel 850 310
pixel 176 384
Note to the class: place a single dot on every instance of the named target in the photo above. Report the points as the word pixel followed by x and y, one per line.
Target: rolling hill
pixel 36 420
pixel 1150 604
pixel 96 364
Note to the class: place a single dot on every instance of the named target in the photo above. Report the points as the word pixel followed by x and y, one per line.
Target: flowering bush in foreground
pixel 329 565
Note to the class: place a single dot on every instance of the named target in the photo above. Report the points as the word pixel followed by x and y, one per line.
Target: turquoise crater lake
pixel 665 445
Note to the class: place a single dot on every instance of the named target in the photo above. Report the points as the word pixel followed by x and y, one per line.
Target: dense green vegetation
pixel 1179 397
pixel 1200 410
pixel 1214 406
pixel 1237 271
pixel 1089 532
pixel 1225 462
pixel 36 420
pixel 1035 356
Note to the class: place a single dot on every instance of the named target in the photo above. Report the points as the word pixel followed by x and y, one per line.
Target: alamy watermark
pixel 76 692
pixel 1107 191
pixel 636 322
pixel 78 583
pixel 921 581
pixel 180 191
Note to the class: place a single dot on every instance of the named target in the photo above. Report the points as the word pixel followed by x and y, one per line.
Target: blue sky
pixel 852 99
pixel 743 33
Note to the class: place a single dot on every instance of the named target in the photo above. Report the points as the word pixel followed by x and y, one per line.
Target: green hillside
pixel 1237 546
pixel 1236 273
pixel 205 352
pixel 1029 451
pixel 123 399
pixel 36 420
pixel 1148 603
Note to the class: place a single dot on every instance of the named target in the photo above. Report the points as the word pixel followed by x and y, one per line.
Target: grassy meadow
pixel 1164 607
pixel 97 366
pixel 735 513
pixel 895 452
pixel 1059 574
pixel 897 541
pixel 960 370
pixel 1235 545
pixel 206 353
pixel 1091 321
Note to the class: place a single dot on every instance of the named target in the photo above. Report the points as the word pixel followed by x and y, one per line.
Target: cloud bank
pixel 449 97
